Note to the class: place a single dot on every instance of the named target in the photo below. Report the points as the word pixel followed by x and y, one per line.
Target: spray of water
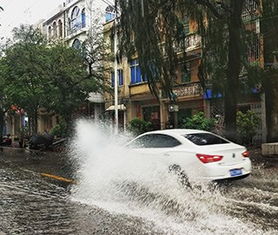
pixel 112 177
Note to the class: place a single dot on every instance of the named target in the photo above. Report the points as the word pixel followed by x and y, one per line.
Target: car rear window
pixel 154 141
pixel 205 139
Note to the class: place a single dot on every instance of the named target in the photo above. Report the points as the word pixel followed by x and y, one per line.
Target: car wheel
pixel 182 177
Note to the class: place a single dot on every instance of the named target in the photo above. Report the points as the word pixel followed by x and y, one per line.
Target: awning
pixel 120 107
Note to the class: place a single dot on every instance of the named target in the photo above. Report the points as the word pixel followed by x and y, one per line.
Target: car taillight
pixel 246 154
pixel 204 158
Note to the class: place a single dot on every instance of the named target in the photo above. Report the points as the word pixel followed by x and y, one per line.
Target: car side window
pixel 155 141
pixel 141 142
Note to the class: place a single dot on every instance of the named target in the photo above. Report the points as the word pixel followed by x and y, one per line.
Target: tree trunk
pixel 33 121
pixel 271 86
pixel 1 124
pixel 69 122
pixel 233 70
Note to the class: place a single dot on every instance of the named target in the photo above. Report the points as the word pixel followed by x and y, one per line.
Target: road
pixel 31 203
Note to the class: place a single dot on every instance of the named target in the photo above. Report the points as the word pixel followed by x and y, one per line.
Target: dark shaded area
pixel 41 141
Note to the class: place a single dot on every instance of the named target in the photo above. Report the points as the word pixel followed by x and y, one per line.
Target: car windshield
pixel 205 139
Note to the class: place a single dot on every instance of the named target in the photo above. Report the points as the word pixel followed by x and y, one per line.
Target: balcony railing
pixel 190 43
pixel 75 28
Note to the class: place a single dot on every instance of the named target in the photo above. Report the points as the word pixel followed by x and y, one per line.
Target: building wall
pixel 190 95
pixel 71 26
pixel 138 99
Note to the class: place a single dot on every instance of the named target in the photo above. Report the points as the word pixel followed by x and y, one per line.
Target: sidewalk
pixel 268 162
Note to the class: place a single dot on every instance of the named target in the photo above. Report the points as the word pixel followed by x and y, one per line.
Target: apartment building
pixel 72 23
pixel 135 98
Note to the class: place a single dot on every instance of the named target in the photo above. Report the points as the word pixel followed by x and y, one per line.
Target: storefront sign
pixel 188 90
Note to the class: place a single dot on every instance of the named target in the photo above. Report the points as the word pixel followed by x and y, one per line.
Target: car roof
pixel 177 131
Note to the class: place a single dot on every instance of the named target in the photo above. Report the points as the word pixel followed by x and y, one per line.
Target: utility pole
pixel 116 73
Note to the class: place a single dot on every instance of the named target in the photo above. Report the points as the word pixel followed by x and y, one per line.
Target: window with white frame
pixel 49 32
pixel 54 29
pixel 135 72
pixel 75 18
pixel 83 18
pixel 76 44
pixel 60 28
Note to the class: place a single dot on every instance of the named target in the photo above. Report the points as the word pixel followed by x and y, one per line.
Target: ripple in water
pixel 112 178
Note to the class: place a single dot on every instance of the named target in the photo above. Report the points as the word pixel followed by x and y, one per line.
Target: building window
pixel 76 44
pixel 109 13
pixel 84 50
pixel 186 25
pixel 60 28
pixel 254 49
pixel 75 19
pixel 49 32
pixel 251 5
pixel 120 78
pixel 83 18
pixel 54 29
pixel 186 72
pixel 135 72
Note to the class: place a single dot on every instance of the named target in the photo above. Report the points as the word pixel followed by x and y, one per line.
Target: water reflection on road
pixel 30 203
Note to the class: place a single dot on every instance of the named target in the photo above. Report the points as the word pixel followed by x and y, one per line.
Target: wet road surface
pixel 33 204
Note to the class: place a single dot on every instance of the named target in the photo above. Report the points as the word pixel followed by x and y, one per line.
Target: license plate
pixel 236 172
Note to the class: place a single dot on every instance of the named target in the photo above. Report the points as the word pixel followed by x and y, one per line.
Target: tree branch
pixel 211 7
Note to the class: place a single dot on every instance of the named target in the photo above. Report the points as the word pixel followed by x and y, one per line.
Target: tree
pixel 76 72
pixel 199 121
pixel 68 82
pixel 247 126
pixel 269 25
pixel 24 73
pixel 4 103
pixel 156 29
pixel 52 76
pixel 95 51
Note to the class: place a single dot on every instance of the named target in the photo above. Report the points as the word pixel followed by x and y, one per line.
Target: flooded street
pixel 31 203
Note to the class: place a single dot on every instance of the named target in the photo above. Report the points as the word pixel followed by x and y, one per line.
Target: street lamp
pixel 116 74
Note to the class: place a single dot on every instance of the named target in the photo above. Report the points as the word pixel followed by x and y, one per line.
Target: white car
pixel 198 154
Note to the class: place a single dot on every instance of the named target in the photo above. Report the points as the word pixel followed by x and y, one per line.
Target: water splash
pixel 112 178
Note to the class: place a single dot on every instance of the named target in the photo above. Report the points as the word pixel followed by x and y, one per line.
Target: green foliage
pixel 247 125
pixel 34 74
pixel 138 126
pixel 199 121
pixel 159 34
pixel 68 84
pixel 23 70
pixel 60 130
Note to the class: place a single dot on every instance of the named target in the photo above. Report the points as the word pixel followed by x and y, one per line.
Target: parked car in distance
pixel 200 155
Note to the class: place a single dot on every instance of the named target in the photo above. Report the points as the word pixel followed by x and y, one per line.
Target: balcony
pixel 191 42
pixel 75 29
pixel 188 90
pixel 139 89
